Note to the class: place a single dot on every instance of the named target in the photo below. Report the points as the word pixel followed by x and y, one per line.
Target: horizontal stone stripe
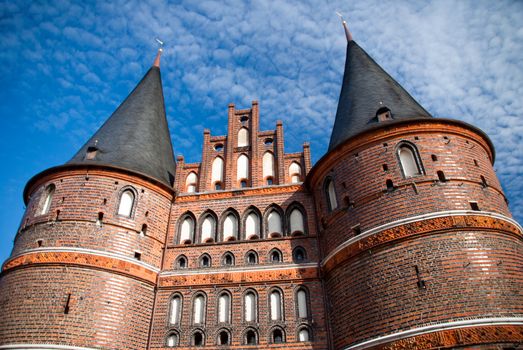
pixel 76 258
pixel 456 333
pixel 426 223
pixel 240 276
pixel 272 190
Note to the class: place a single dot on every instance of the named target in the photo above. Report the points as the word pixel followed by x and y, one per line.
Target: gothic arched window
pixel 242 170
pixel 252 226
pixel 199 309
pixel 409 160
pixel 191 182
pixel 330 193
pixel 175 311
pixel 125 207
pixel 250 306
pixel 186 230
pixel 276 305
pixel 274 224
pixel 295 172
pixel 230 228
pixel 217 173
pixel 224 308
pixel 208 229
pixel 243 137
pixel 268 165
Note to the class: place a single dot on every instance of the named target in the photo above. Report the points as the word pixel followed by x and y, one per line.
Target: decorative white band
pixel 86 251
pixel 497 321
pixel 223 269
pixel 411 219
pixel 43 346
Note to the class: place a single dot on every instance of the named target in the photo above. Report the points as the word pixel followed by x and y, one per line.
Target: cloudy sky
pixel 65 66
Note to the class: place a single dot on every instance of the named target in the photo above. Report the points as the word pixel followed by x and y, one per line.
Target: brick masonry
pixel 366 274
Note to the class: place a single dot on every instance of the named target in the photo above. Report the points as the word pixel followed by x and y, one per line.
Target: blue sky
pixel 65 66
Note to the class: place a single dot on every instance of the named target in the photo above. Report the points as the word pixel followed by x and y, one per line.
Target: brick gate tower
pixel 399 237
pixel 419 250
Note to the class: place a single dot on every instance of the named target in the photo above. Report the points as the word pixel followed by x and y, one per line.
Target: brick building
pixel 399 237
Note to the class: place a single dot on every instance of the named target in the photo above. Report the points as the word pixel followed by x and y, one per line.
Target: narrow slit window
pixel 474 206
pixel 48 197
pixel 441 176
pixel 330 192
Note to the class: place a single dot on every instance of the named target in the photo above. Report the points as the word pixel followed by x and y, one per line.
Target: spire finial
pixel 345 27
pixel 158 54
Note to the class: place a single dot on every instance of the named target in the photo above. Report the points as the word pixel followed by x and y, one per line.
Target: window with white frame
pixel 187 230
pixel 175 311
pixel 250 307
pixel 126 203
pixel 274 224
pixel 230 228
pixel 208 229
pixel 276 306
pixel 191 182
pixel 198 309
pixel 407 156
pixel 252 226
pixel 224 308
pixel 243 137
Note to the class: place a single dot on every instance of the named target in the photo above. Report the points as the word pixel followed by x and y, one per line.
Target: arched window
pixel 181 262
pixel 175 311
pixel 250 307
pixel 224 338
pixel 187 230
pixel 407 157
pixel 299 255
pixel 251 257
pixel 295 172
pixel 251 337
pixel 198 339
pixel 205 260
pixel 224 308
pixel 208 229
pixel 274 228
pixel 252 226
pixel 330 193
pixel 172 340
pixel 278 336
pixel 199 309
pixel 302 303
pixel 275 256
pixel 230 228
pixel 243 137
pixel 217 172
pixel 126 203
pixel 228 259
pixel 48 197
pixel 304 334
pixel 190 182
pixel 276 306
pixel 296 221
pixel 268 165
pixel 242 170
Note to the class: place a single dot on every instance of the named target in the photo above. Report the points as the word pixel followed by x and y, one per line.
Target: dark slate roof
pixel 365 85
pixel 136 136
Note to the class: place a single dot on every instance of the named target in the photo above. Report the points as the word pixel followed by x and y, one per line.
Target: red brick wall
pixel 361 190
pixel 469 264
pixel 106 310
pixel 467 274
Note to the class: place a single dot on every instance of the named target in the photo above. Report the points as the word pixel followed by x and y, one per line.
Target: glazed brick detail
pixel 104 308
pixel 263 325
pixel 467 274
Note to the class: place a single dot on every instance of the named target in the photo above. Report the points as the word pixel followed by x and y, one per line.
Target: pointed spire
pixel 136 136
pixel 348 34
pixel 157 59
pixel 367 89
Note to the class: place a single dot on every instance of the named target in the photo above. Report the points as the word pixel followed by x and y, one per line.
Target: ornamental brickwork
pixel 400 237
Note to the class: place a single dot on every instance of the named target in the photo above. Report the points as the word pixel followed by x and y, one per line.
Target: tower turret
pixel 418 246
pixel 84 266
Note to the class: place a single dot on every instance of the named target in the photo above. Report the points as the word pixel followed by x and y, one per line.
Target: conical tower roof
pixel 136 136
pixel 366 89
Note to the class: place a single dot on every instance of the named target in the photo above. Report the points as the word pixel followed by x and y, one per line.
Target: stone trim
pixel 464 332
pixel 426 223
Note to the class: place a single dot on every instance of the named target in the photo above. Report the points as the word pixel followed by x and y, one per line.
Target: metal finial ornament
pixel 348 35
pixel 160 50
